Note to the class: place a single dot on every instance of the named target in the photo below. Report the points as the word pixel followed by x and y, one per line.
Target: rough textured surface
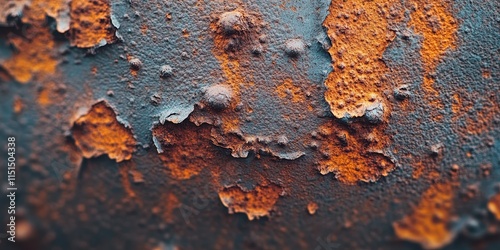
pixel 252 124
pixel 254 203
pixel 429 223
pixel 99 132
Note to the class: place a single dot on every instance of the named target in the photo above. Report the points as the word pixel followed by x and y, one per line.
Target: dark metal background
pixel 161 174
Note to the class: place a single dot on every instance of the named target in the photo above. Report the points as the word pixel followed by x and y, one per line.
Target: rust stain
pixel 255 203
pixel 37 11
pixel 98 132
pixel 91 23
pixel 434 21
pixel 288 90
pixel 312 207
pixel 429 223
pixel 34 56
pixel 235 32
pixel 18 105
pixel 353 154
pixel 351 166
pixel 169 203
pixel 360 33
pixel 125 168
pixel 50 93
pixel 494 206
pixel 468 123
pixel 185 149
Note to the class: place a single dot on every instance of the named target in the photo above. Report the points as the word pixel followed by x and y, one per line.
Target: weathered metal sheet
pixel 251 124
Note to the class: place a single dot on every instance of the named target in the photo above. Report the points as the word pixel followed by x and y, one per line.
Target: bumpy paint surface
pixel 342 124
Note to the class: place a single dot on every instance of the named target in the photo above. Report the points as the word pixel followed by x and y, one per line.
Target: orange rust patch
pixel 231 50
pixel 428 224
pixel 354 154
pixel 185 33
pixel 312 207
pixel 434 21
pixel 185 149
pixel 98 132
pixel 34 56
pixel 288 90
pixel 255 203
pixel 170 203
pixel 91 23
pixel 486 73
pixel 360 33
pixel 456 104
pixel 144 29
pixel 49 94
pixel 18 105
pixel 231 69
pixel 494 206
pixel 481 120
pixel 351 166
pixel 37 11
pixel 124 170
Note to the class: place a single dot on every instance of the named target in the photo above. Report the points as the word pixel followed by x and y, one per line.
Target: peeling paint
pixel 98 132
pixel 254 203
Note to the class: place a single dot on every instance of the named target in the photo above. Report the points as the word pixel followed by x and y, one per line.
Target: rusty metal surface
pixel 252 124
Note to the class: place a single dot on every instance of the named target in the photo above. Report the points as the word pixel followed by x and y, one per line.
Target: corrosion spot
pixel 289 90
pixel 494 205
pixel 18 105
pixel 184 149
pixel 434 21
pixel 255 203
pixel 312 207
pixel 99 132
pixel 360 33
pixel 91 23
pixel 34 58
pixel 429 223
pixel 357 48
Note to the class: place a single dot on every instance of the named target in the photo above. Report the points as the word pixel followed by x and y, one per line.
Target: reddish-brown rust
pixel 360 34
pixel 91 23
pixel 312 207
pixel 429 222
pixel 494 205
pixel 255 203
pixel 34 57
pixel 187 148
pixel 99 132
pixel 434 21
